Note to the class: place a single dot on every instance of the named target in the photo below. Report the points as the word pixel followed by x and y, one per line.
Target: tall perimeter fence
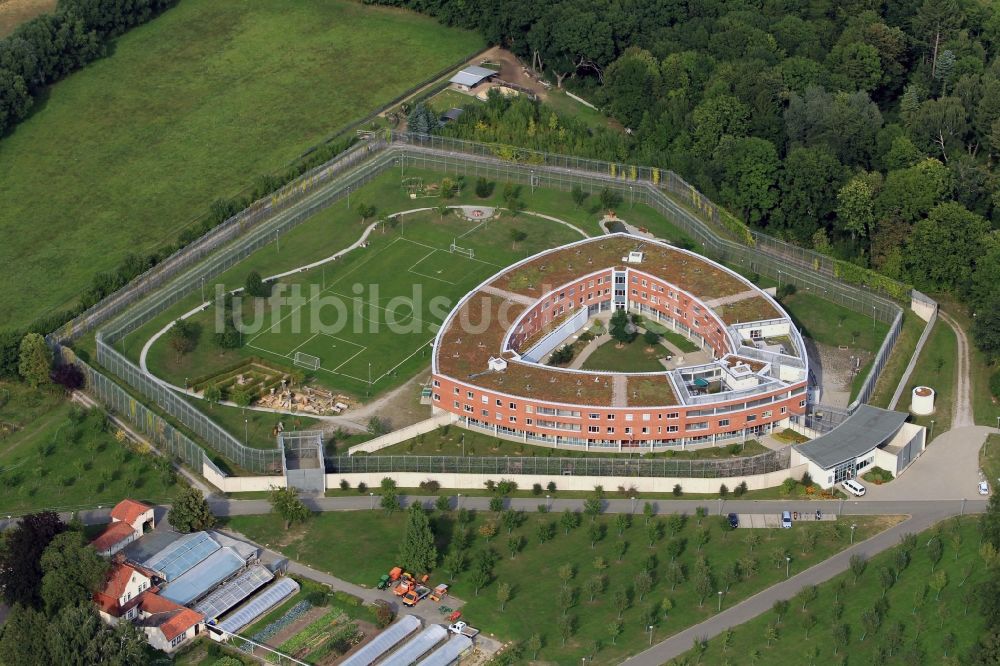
pixel 190 270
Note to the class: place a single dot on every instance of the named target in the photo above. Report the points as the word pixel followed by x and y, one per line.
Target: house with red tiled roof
pixel 167 625
pixel 129 519
pixel 118 598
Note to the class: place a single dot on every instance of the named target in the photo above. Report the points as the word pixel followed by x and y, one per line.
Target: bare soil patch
pixel 15 12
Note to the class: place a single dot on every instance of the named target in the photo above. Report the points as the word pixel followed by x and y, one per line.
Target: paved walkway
pixel 761 602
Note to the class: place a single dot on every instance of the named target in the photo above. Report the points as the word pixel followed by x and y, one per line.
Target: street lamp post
pixel 788 565
pixel 720 601
pixel 853 527
pixel 246 431
pixel 720 506
pixel 634 500
pixel 460 500
pixel 372 496
pixel 650 630
pixel 548 502
pixel 463 444
pixel 932 431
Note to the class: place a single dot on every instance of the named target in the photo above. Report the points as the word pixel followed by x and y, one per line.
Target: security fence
pixel 260 461
pixel 666 467
pixel 265 222
pixel 166 437
pixel 302 453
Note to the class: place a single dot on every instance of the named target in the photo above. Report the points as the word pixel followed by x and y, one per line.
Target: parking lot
pixel 773 520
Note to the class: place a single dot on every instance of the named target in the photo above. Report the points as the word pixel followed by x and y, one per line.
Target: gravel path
pixel 962 415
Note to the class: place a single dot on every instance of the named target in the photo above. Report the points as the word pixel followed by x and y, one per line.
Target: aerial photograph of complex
pixel 496 332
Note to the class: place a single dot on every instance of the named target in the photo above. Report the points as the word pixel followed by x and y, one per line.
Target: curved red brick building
pixel 749 376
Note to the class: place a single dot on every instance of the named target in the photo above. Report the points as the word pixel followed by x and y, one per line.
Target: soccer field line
pixel 473 229
pixel 430 277
pixel 413 315
pixel 361 350
pixel 300 346
pixel 431 247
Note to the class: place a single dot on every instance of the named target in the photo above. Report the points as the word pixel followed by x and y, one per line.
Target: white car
pixel 786 519
pixel 853 487
pixel 984 488
pixel 457 627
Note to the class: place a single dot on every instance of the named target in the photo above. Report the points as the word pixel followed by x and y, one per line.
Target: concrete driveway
pixel 947 469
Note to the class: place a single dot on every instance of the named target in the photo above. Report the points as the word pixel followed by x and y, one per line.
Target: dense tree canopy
pixel 841 126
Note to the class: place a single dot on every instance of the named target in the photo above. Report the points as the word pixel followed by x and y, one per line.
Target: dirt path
pixel 962 415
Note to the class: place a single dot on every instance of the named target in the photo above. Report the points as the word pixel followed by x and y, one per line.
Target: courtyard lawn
pixel 936 368
pixel 920 626
pixel 673 337
pixel 360 546
pixel 635 356
pixel 901 354
pixel 455 441
pixel 189 108
pixel 831 324
pixel 55 458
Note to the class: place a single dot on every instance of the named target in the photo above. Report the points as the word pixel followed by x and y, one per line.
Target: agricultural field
pixel 578 582
pixel 188 108
pixel 15 12
pixel 921 608
pixel 54 454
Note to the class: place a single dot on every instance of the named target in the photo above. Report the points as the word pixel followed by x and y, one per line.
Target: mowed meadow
pixel 191 107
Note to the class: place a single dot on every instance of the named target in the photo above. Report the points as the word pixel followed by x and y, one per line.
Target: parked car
pixel 786 519
pixel 853 487
pixel 734 520
pixel 984 488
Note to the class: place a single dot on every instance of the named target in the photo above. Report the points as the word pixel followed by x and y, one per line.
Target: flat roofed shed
pixel 472 76
pixel 865 430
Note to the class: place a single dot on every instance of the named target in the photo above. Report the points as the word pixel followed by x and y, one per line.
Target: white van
pixel 853 487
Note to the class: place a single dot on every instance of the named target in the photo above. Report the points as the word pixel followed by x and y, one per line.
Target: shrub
pixel 506 487
pixel 788 486
pixel 551 487
pixel 430 486
pixel 536 489
pixel 807 479
pixel 345 484
pixel 877 475
pixel 362 487
pixel 484 188
pixel 678 491
pixel 491 485
pixel 384 615
pixel 651 337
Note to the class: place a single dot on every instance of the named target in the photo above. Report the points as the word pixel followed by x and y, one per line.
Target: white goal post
pixel 467 251
pixel 306 361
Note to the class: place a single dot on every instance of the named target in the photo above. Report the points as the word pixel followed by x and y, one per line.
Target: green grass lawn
pixel 831 324
pixel 635 356
pixel 935 368
pixel 57 458
pixel 989 460
pixel 673 337
pixel 373 311
pixel 450 99
pixel 901 354
pixel 189 108
pixel 563 104
pixel 251 427
pixel 360 546
pixel 922 626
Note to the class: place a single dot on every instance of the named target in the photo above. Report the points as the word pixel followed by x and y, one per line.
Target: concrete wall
pixel 403 434
pixel 643 484
pixel 241 484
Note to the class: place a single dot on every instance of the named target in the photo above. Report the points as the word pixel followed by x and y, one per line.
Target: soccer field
pixel 376 315
pixel 375 309
pixel 191 107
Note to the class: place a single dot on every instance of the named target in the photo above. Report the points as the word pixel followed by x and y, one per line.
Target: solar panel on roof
pixel 416 646
pixel 260 603
pixel 384 642
pixel 448 653
pixel 232 593
pixel 181 555
pixel 202 577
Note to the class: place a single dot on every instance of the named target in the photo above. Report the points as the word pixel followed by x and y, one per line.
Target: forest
pixel 862 129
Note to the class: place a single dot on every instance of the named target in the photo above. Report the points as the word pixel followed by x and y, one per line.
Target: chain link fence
pixel 259 461
pixel 192 268
pixel 772 461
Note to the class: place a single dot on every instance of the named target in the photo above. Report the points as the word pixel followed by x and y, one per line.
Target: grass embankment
pixel 634 356
pixel 360 546
pixel 455 441
pixel 901 354
pixel 55 455
pixel 186 109
pixel 989 461
pixel 921 624
pixel 834 325
pixel 936 368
